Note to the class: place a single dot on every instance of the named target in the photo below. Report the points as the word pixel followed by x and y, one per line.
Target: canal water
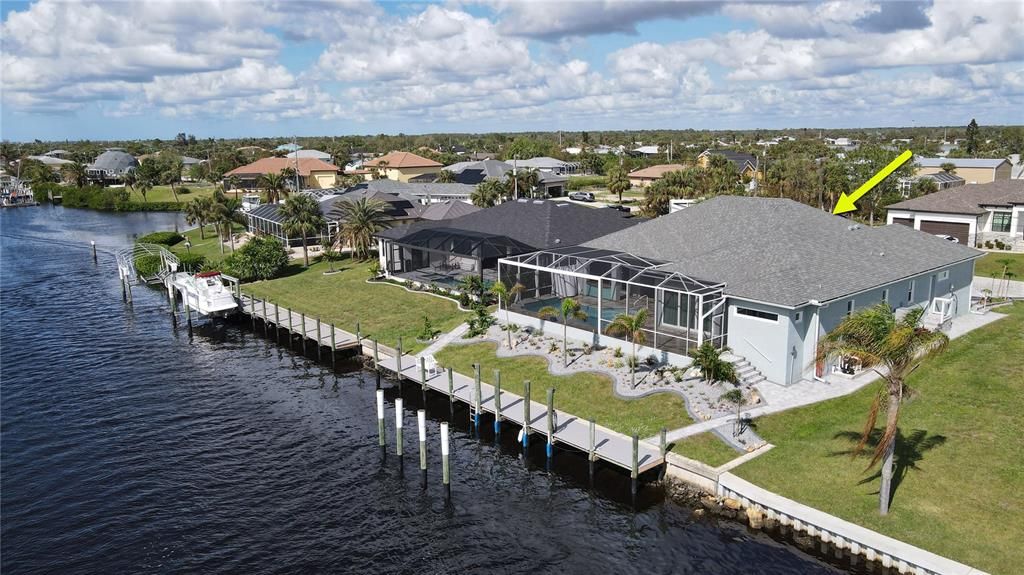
pixel 129 447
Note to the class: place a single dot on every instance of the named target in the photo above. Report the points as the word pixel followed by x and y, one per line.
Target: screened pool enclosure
pixel 683 312
pixel 444 255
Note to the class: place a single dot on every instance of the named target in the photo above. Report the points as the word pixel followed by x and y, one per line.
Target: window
pixel 1001 221
pixel 798 317
pixel 849 307
pixel 910 292
pixel 757 313
pixel 943 275
pixel 885 296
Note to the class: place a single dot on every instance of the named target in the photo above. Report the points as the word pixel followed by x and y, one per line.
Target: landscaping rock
pixel 755 518
pixel 731 503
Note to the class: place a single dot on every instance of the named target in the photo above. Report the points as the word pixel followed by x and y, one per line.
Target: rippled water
pixel 128 447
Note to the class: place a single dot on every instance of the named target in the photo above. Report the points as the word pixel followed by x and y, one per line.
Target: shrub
pixel 163 238
pixel 480 321
pixel 147 265
pixel 427 332
pixel 261 258
pixel 191 262
pixel 618 352
pixel 41 191
pixel 651 360
pixel 580 182
pixel 94 197
pixel 988 244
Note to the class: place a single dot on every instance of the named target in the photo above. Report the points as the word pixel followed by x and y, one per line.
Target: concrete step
pixel 754 380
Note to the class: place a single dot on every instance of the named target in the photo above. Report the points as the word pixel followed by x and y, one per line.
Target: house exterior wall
pixel 641 182
pixel 918 217
pixel 322 180
pixel 406 174
pixel 764 343
pixel 974 175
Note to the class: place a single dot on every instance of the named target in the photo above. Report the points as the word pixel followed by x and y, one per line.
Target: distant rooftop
pixel 960 162
pixel 967 199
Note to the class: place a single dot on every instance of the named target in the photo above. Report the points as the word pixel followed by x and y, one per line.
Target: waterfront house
pixel 765 277
pixel 646 176
pixel 971 214
pixel 972 170
pixel 403 166
pixel 111 166
pixel 313 173
pixel 443 252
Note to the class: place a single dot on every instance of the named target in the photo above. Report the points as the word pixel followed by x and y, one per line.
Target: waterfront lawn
pixel 586 395
pixel 987 265
pixel 384 311
pixel 209 247
pixel 706 448
pixel 164 194
pixel 961 496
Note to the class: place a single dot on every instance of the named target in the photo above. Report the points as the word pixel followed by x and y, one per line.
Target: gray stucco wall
pixel 763 342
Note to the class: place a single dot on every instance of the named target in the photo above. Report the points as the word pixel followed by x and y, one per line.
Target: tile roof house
pixel 403 166
pixel 972 170
pixel 442 252
pixel 314 173
pixel 973 214
pixel 646 176
pixel 765 276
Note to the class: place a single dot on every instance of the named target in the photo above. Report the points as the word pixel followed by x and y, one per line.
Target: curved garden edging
pixel 455 301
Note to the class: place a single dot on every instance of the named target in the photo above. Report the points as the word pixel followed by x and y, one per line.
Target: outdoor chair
pixel 432 367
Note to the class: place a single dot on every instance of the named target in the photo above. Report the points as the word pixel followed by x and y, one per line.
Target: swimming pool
pixel 607 314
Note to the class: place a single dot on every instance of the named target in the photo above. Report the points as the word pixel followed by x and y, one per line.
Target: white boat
pixel 206 293
pixel 250 201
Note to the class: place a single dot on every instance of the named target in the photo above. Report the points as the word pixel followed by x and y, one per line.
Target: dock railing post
pixel 551 422
pixel 592 452
pixel 380 417
pixel 423 373
pixel 421 428
pixel 526 414
pixel 398 359
pixel 663 444
pixel 476 396
pixel 634 473
pixel 277 323
pixel 497 402
pixel 252 312
pixel 359 333
pixel 398 425
pixel 302 319
pixel 376 356
pixel 319 341
pixel 266 331
pixel 334 344
pixel 445 469
pixel 451 386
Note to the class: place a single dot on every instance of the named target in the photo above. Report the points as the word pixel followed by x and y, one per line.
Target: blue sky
pixel 98 70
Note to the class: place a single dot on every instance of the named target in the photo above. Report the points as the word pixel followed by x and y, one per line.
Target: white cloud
pixel 555 20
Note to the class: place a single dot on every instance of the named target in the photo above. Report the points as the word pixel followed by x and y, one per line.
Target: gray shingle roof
pixel 967 199
pixel 537 223
pixel 960 162
pixel 783 252
pixel 417 189
pixel 739 159
pixel 114 161
pixel 448 210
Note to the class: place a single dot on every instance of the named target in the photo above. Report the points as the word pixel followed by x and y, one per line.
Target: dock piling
pixel 423 375
pixel 277 323
pixel 399 413
pixel 188 317
pixel 592 452
pixel 445 469
pixel 398 358
pixel 302 319
pixel 551 422
pixel 334 344
pixel 376 356
pixel 497 402
pixel 252 312
pixel 380 415
pixel 265 322
pixel 359 333
pixel 421 428
pixel 526 414
pixel 93 244
pixel 319 341
pixel 476 397
pixel 634 473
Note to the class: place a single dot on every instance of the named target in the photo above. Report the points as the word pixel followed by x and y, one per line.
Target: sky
pixel 142 69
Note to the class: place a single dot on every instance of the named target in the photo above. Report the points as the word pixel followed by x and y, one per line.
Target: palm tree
pixel 734 396
pixel 487 194
pixel 570 309
pixel 196 213
pixel 361 219
pixel 172 175
pixel 380 171
pixel 618 182
pixel 1007 263
pixel 75 173
pixel 130 179
pixel 328 252
pixel 708 359
pixel 948 167
pixel 225 212
pixel 522 181
pixel 445 177
pixel 505 295
pixel 301 215
pixel 143 186
pixel 275 186
pixel 232 183
pixel 633 327
pixel 877 339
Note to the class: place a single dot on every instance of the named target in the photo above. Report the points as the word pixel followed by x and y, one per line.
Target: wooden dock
pixel 311 328
pixel 611 446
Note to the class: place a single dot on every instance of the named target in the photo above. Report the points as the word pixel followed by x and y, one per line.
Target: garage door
pixel 958 231
pixel 909 222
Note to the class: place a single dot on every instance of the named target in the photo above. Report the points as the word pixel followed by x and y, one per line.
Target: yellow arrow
pixel 846 202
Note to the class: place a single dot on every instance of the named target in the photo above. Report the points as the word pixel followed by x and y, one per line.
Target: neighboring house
pixel 747 165
pixel 482 156
pixel 549 184
pixel 646 176
pixel 424 192
pixel 644 151
pixel 313 173
pixel 287 148
pixel 972 170
pixel 971 214
pixel 314 154
pixel 447 210
pixel 445 251
pixel 265 220
pixel 747 273
pixel 547 164
pixel 403 166
pixel 111 166
pixel 943 181
pixel 573 150
pixel 55 163
pixel 602 149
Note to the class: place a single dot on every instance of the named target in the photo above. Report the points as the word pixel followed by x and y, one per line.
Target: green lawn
pixel 963 494
pixel 586 395
pixel 989 265
pixel 707 448
pixel 384 311
pixel 209 247
pixel 163 193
